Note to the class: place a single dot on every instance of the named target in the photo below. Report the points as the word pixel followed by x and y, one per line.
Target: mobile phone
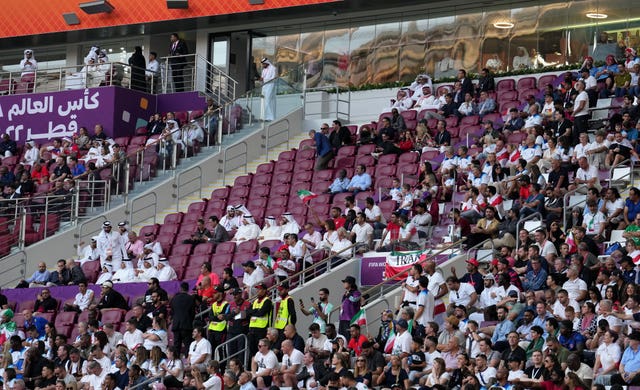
pixel 312 300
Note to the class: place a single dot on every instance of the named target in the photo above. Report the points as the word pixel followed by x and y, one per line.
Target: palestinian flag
pixel 360 318
pixel 306 195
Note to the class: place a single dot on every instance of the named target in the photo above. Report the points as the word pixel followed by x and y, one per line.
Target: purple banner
pixel 371 269
pixel 45 116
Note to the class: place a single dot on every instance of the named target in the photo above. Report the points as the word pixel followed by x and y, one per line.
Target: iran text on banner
pixel 306 195
pixel 360 318
pixel 400 261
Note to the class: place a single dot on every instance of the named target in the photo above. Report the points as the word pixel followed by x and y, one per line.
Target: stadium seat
pixel 197 208
pixel 366 160
pixel 277 202
pixel 221 193
pixel 387 159
pixel 304 165
pixel 205 248
pixel 545 80
pixel 247 246
pixel 366 149
pixel 288 155
pixel 505 85
pixel 265 168
pixel 196 260
pixel 307 154
pixel 243 181
pixel 304 176
pixel 113 316
pixel 180 249
pixel 525 83
pixel 173 218
pixel 225 247
pixel 220 261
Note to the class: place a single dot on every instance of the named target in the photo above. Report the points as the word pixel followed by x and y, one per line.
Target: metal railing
pixel 521 222
pixel 565 205
pixel 621 179
pixel 479 246
pixel 198 74
pixel 75 77
pixel 193 72
pixel 332 100
pixel 222 354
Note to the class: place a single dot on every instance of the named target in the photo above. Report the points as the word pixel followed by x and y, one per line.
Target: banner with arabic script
pixel 400 261
pixel 45 116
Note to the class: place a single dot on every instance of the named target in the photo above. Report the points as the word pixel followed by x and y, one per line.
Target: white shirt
pixel 582 97
pixel 95 381
pixel 490 296
pixel 425 299
pixel 265 362
pixel 166 274
pixel 293 359
pixel 529 153
pixel 340 245
pixel 486 376
pixel 402 344
pixel 213 383
pixel 609 355
pixel 153 69
pixel 589 174
pixel 315 239
pixel 362 232
pixel 374 213
pixel 435 281
pixel 249 231
pixel 559 310
pixel 574 288
pixel 199 348
pixel 546 248
pixel 250 279
pixel 463 295
pixel 131 340
pixel 83 300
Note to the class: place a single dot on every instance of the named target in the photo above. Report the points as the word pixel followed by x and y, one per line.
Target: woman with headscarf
pixel 268 89
pixel 28 66
pixel 138 65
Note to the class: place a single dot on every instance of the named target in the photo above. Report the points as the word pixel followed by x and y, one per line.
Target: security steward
pixel 259 317
pixel 286 313
pixel 217 330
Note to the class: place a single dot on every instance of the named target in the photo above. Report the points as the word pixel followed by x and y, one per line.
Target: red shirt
pixel 356 345
pixel 339 222
pixel 394 231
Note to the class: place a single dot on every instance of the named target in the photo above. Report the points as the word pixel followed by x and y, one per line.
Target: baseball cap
pixel 260 285
pixel 403 324
pixel 473 262
pixel 513 294
pixel 219 288
pixel 489 276
pixel 236 291
pixel 349 279
pixel 283 286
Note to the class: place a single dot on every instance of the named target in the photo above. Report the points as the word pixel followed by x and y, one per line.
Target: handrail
pixel 481 245
pixel 522 221
pixel 226 356
pixel 143 384
pixel 620 165
pixel 329 88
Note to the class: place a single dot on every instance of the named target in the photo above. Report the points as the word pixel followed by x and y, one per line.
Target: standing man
pixel 321 310
pixel 138 66
pixel 218 322
pixel 152 73
pixel 237 321
pixel 177 49
pixel 286 313
pixel 324 151
pixel 268 89
pixel 183 309
pixel 259 317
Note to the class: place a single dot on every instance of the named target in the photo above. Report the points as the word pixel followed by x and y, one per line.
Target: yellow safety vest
pixel 259 322
pixel 282 316
pixel 215 324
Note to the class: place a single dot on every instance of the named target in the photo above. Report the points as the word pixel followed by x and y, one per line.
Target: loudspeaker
pixel 71 18
pixel 97 7
pixel 177 4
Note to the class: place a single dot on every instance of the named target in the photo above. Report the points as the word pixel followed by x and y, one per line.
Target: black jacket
pixel 183 308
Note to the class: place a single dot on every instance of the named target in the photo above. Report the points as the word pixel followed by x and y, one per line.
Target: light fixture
pixel 71 18
pixel 504 25
pixel 596 15
pixel 97 7
pixel 177 4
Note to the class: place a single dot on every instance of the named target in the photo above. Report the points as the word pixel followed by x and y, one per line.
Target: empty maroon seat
pixel 387 159
pixel 243 181
pixel 225 247
pixel 506 96
pixel 265 168
pixel 261 191
pixel 261 179
pixel 323 175
pixel 180 249
pixel 306 142
pixel 247 246
pixel 409 157
pixel 344 162
pixel 221 193
pixel 407 169
pixel 206 248
pixel 304 165
pixel 307 154
pixel 366 160
pixel 545 80
pixel 191 273
pixel 304 176
pixel 239 192
pixel 197 208
pixel 277 201
pixel 526 83
pixel 288 155
pixel 196 260
pixel 366 149
pixel 173 218
pixel 318 187
pixel 506 85
pixel 284 166
pixel 348 150
pixel 220 261
pixel 113 316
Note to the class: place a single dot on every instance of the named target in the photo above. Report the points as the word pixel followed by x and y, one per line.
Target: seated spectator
pixel 339 136
pixel 164 271
pixel 61 276
pixel 288 225
pixel 468 106
pixel 486 104
pixel 340 183
pixel 201 235
pixel 249 230
pixel 263 364
pixel 8 147
pixel 31 153
pixel 402 102
pixel 361 180
pixel 426 100
pixel 45 302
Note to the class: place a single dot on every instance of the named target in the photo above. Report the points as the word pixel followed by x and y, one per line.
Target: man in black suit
pixel 178 48
pixel 183 309
pixel 466 84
